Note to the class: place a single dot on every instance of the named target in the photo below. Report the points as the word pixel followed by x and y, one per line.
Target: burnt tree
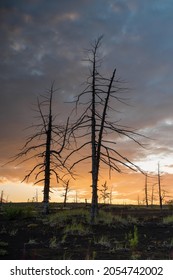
pixel 104 192
pixel 1 199
pixel 146 189
pixel 94 125
pixel 45 144
pixel 159 187
pixel 66 191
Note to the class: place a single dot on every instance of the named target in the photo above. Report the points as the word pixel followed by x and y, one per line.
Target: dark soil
pixel 139 233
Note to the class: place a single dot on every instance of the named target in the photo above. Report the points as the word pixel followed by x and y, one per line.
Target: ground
pixel 119 232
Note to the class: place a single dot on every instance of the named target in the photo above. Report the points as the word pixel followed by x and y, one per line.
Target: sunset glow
pixel 44 41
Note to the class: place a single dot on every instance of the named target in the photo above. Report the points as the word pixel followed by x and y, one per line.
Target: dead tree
pixel 104 192
pixel 66 191
pixel 94 126
pixel 1 199
pixel 45 145
pixel 146 189
pixel 159 186
pixel 152 195
pixel 111 195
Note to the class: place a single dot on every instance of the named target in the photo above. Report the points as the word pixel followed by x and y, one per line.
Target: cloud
pixel 3 180
pixel 45 40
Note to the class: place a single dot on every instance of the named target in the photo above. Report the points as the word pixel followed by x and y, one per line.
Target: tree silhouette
pixel 66 191
pixel 46 145
pixel 160 190
pixel 1 198
pixel 104 192
pixel 146 189
pixel 94 126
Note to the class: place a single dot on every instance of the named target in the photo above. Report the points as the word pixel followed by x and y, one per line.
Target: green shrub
pixel 13 212
pixel 133 238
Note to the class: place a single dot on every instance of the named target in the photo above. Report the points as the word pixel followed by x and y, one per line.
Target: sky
pixel 44 41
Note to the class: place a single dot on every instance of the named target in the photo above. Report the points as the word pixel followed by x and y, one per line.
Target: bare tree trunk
pixel 36 196
pixel 94 202
pixel 46 144
pixel 110 198
pixel 47 170
pixel 138 200
pixel 47 159
pixel 76 198
pixel 2 194
pixel 152 195
pixel 146 190
pixel 159 185
pixel 66 192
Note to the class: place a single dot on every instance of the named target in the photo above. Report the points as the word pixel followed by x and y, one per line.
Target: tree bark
pixel 146 190
pixel 159 185
pixel 47 159
pixel 94 203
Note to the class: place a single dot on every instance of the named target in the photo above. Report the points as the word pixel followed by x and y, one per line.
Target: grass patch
pixel 32 242
pixel 76 228
pixel 3 246
pixel 3 252
pixel 133 238
pixel 16 212
pixel 68 216
pixel 13 232
pixel 108 218
pixel 104 241
pixel 53 242
pixel 168 219
pixel 104 218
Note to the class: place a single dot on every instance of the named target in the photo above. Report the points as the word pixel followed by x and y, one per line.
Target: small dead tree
pixel 152 194
pixel 36 196
pixel 94 126
pixel 111 195
pixel 1 199
pixel 76 197
pixel 159 186
pixel 104 192
pixel 45 145
pixel 66 191
pixel 162 192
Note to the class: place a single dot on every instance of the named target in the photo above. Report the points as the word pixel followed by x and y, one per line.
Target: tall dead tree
pixel 45 145
pixel 146 189
pixel 94 126
pixel 159 186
